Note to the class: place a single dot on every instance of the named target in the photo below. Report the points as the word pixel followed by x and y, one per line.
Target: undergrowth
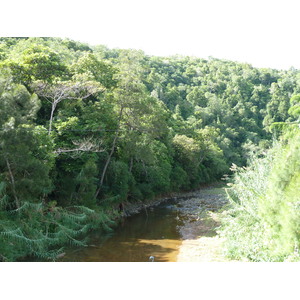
pixel 262 223
pixel 41 230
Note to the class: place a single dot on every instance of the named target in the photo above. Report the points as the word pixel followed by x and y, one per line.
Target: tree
pixel 187 153
pixel 92 69
pixel 37 62
pixel 136 110
pixel 66 90
pixel 294 110
pixel 26 154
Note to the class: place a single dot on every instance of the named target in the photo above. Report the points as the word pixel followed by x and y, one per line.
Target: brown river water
pixel 158 231
pixel 152 232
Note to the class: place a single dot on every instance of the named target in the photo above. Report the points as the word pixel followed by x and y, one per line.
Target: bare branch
pixel 85 145
pixel 63 91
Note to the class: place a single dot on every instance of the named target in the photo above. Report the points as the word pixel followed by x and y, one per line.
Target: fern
pixel 39 231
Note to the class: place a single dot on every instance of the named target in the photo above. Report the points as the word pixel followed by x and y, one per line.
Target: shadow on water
pixel 153 232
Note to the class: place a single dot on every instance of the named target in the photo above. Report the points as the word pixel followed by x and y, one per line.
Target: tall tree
pixel 66 90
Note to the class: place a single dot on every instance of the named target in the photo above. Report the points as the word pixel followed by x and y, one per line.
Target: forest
pixel 85 129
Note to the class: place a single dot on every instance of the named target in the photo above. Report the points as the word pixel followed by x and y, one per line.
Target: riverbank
pixel 200 241
pixel 179 228
pixel 201 210
pixel 136 207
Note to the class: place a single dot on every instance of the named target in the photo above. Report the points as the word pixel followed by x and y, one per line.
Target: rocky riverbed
pixel 179 228
pixel 201 242
pixel 200 214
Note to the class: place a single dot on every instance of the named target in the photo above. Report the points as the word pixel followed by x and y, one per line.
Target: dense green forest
pixel 84 129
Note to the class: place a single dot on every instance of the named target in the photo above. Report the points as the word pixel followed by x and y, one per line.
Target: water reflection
pixel 152 232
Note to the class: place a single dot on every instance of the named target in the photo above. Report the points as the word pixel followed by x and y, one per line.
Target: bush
pixel 281 210
pixel 242 226
pixel 263 221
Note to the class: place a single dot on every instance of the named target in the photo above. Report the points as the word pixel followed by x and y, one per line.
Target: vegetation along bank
pixel 84 129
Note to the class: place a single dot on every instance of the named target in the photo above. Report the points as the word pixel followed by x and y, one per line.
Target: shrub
pixel 263 221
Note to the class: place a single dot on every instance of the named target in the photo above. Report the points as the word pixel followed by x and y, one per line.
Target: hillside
pixel 85 130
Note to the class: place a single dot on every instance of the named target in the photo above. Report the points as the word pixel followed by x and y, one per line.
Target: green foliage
pixel 94 69
pixel 39 230
pixel 118 180
pixel 36 62
pixel 187 152
pixel 86 183
pixel 281 210
pixel 295 106
pixel 25 156
pixel 179 179
pixel 243 227
pixel 263 223
pixel 93 127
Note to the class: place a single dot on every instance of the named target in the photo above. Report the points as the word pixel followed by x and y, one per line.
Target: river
pixel 157 231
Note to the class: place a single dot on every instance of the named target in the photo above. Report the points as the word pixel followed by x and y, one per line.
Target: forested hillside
pixel 84 129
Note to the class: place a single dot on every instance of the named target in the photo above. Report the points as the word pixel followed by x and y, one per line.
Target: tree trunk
pixel 131 164
pixel 106 164
pixel 110 154
pixel 51 117
pixel 12 180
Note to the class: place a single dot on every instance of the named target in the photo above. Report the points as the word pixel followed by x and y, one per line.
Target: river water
pixel 152 232
pixel 161 231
